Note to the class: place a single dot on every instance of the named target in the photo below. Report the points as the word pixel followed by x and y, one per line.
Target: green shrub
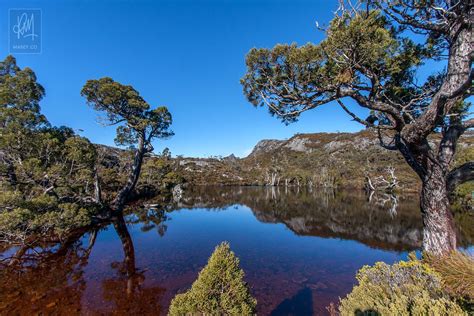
pixel 219 289
pixel 404 288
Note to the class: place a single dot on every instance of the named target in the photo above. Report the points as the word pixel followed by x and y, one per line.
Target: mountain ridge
pixel 315 159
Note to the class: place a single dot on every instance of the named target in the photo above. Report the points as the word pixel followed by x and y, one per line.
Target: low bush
pixel 219 289
pixel 404 288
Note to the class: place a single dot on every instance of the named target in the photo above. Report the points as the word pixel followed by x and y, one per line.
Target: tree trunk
pixel 132 180
pixel 439 232
pixel 97 190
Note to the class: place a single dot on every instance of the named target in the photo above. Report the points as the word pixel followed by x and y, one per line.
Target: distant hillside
pixel 320 159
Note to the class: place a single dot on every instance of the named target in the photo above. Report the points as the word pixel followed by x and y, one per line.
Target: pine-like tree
pixel 219 289
pixel 373 57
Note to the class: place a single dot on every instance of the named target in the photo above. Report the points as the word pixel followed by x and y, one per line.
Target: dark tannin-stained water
pixel 300 251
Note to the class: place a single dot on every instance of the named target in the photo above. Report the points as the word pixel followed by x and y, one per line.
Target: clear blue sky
pixel 187 55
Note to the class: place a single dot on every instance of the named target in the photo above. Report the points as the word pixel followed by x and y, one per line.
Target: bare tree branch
pixel 460 175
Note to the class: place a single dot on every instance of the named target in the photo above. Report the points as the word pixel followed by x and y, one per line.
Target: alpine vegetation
pixel 219 290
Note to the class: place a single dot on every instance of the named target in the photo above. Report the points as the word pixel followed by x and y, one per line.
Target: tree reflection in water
pixel 126 290
pixel 35 281
pixel 384 222
pixel 51 277
pixel 384 200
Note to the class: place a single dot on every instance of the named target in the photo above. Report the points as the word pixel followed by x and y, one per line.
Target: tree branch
pixel 391 146
pixel 359 120
pixel 468 124
pixel 455 87
pixel 406 19
pixel 460 175
pixel 447 146
pixel 409 157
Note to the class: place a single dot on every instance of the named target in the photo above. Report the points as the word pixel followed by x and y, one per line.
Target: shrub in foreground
pixel 219 289
pixel 404 288
pixel 457 275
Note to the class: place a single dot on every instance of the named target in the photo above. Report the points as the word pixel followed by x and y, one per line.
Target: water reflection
pixel 300 251
pixel 385 221
pixel 51 279
pixel 300 304
pixel 125 290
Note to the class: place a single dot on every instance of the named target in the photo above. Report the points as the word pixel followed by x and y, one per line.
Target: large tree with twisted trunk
pixel 137 124
pixel 372 56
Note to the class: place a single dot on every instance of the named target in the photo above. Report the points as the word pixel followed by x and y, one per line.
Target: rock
pixel 230 158
pixel 335 145
pixel 298 144
pixel 177 192
pixel 265 146
pixel 197 162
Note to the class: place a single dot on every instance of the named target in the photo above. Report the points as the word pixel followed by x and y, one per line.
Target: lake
pixel 300 250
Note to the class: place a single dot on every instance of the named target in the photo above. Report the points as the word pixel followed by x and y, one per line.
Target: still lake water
pixel 300 251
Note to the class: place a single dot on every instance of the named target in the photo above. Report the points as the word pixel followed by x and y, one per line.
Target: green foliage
pixel 19 96
pixel 46 172
pixel 123 106
pixel 404 288
pixel 137 125
pixel 219 289
pixel 290 79
pixel 160 170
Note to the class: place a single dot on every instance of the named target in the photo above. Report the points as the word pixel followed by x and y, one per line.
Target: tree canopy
pixel 123 106
pixel 372 55
pixel 46 172
pixel 370 58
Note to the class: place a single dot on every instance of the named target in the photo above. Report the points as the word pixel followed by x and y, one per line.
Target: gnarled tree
pixel 137 124
pixel 371 58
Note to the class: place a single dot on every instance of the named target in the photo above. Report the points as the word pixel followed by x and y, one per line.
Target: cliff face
pixel 265 146
pixel 320 159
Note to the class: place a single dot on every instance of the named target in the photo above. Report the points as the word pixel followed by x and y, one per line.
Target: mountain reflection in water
pixel 300 251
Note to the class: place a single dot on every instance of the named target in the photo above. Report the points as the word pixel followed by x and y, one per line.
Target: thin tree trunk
pixel 439 232
pixel 132 180
pixel 97 190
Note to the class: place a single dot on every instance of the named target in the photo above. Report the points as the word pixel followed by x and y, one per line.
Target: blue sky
pixel 187 55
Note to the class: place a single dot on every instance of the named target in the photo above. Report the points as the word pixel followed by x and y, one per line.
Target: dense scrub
pixel 47 173
pixel 414 287
pixel 52 180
